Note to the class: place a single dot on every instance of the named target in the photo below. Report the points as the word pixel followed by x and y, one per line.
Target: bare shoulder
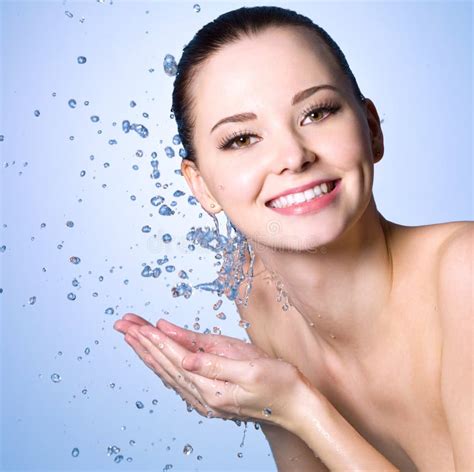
pixel 454 274
pixel 426 243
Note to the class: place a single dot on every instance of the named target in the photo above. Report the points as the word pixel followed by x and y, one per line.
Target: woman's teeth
pixel 306 196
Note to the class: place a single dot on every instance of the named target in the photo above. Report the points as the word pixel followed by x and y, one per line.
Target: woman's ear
pixel 198 187
pixel 375 129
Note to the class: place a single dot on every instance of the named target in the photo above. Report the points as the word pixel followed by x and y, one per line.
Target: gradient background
pixel 413 59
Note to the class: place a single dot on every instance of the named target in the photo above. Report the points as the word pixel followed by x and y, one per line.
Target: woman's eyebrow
pixel 300 96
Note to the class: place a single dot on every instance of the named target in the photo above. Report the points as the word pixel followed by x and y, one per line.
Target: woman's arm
pixel 317 422
pixel 290 452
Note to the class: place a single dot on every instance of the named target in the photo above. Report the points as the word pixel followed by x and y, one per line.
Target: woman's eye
pixel 319 113
pixel 241 141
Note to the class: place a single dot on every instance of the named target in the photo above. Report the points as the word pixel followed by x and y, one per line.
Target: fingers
pixel 197 342
pixel 219 367
pixel 128 320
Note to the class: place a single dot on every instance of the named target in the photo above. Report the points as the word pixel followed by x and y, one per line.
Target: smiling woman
pixel 297 182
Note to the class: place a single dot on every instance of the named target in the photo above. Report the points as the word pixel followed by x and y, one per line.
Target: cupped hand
pixel 217 375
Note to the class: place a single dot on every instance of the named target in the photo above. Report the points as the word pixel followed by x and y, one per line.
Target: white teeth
pixel 301 197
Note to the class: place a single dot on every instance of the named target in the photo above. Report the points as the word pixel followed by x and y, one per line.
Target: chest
pixel 393 398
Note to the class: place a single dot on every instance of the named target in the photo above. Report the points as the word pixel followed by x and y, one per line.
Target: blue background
pixel 413 59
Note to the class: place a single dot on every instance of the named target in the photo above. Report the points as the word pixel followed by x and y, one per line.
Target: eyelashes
pixel 327 107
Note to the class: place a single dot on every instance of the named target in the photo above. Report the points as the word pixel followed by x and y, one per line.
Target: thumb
pixel 218 367
pixel 191 363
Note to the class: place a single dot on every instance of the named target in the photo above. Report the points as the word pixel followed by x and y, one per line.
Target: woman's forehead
pixel 261 69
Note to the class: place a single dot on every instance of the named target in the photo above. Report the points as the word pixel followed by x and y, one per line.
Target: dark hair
pixel 228 28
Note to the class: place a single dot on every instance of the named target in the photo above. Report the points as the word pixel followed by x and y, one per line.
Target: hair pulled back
pixel 226 29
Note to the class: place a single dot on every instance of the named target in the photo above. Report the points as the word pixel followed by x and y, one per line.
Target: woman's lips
pixel 313 205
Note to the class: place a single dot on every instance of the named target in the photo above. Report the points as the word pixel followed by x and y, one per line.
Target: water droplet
pixel 169 65
pixel 169 151
pixel 109 311
pixel 71 296
pixel 197 7
pixel 155 402
pixel 112 385
pixel 70 224
pixel 32 300
pixel 139 405
pixel 167 238
pixel 112 141
pixel 240 455
pixel 95 118
pixel 37 113
pixel 84 391
pixel 81 60
pixel 157 200
pixel 221 315
pixel 132 442
pixel 72 103
pixel 182 289
pixel 244 324
pixel 87 351
pixel 183 275
pixel 217 305
pixel 74 260
pixel 170 268
pixel 56 378
pixel 146 229
pixel 192 200
pixel 75 452
pixel 165 210
pixel 267 411
pixel 183 153
pixel 68 14
pixel 188 449
pixel 118 458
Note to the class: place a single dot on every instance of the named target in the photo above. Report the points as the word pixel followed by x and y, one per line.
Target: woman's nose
pixel 292 154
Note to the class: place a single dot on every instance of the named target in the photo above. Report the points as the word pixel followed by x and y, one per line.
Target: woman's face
pixel 284 146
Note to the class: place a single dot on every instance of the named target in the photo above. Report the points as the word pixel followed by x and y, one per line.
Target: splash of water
pixel 232 250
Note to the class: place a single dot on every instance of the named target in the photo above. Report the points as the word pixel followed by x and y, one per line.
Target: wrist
pixel 306 402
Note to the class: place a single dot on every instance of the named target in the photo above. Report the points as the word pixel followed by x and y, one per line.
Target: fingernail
pixel 190 363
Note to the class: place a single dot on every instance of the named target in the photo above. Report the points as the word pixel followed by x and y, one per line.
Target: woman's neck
pixel 342 288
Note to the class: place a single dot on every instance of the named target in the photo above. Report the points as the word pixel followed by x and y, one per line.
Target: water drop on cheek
pixel 220 187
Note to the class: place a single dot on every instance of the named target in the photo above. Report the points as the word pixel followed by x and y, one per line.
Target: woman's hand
pixel 218 375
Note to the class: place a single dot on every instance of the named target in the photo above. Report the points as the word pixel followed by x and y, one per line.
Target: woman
pixel 371 366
